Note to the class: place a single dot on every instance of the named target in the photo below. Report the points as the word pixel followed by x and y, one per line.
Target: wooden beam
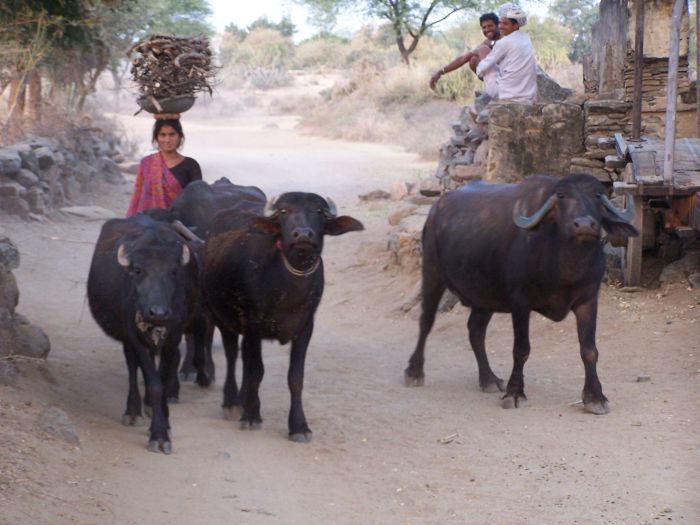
pixel 672 88
pixel 638 67
pixel 633 254
pixel 621 146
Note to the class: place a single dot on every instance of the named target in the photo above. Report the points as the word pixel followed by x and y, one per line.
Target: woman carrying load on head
pixel 163 175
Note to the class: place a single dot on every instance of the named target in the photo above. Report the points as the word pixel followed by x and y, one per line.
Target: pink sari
pixel 156 186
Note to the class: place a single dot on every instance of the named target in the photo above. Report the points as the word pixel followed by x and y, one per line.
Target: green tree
pixel 285 26
pixel 409 20
pixel 578 16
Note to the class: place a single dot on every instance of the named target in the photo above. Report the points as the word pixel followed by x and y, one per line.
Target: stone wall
pixel 17 335
pixel 40 174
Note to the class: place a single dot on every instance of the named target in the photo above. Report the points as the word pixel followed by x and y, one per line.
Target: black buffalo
pixel 535 246
pixel 263 279
pixel 142 289
pixel 196 208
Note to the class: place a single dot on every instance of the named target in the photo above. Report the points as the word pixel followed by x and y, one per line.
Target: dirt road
pixel 381 453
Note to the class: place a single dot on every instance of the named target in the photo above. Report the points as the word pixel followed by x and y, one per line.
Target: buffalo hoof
pixel 514 401
pixel 493 386
pixel 598 408
pixel 129 420
pixel 247 424
pixel 411 379
pixel 173 400
pixel 160 445
pixel 231 413
pixel 301 437
pixel 188 376
pixel 203 380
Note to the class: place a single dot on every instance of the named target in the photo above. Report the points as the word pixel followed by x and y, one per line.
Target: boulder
pixel 45 157
pixel 8 373
pixel 109 170
pixel 26 154
pixel 548 90
pixel 403 212
pixel 94 213
pixel 35 201
pixel 10 161
pixel 9 254
pixel 9 293
pixel 681 269
pixel 26 178
pixel 30 340
pixel 55 421
pixel 14 206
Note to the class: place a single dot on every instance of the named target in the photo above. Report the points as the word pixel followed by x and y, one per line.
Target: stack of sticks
pixel 169 66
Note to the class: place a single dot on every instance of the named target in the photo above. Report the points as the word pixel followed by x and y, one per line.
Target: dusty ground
pixel 381 453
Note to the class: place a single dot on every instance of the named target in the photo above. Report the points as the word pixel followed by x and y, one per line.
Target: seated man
pixel 513 57
pixel 489 27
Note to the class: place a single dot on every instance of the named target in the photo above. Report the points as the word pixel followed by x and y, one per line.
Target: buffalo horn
pixel 626 215
pixel 332 209
pixel 269 210
pixel 122 257
pixel 185 232
pixel 185 258
pixel 534 219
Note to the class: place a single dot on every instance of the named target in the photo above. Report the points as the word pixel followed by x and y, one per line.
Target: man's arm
pixel 455 64
pixel 493 58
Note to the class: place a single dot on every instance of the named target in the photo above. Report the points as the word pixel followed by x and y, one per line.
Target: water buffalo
pixel 534 246
pixel 142 288
pixel 196 207
pixel 263 279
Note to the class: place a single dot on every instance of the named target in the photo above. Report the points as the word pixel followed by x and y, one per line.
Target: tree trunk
pixel 34 101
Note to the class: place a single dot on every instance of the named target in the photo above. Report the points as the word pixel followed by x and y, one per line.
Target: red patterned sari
pixel 156 186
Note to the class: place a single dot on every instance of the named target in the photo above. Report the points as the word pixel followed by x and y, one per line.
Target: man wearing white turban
pixel 513 57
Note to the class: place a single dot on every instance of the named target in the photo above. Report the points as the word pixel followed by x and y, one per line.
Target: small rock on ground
pixel 55 421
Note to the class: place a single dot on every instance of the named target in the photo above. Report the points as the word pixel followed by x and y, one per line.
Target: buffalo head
pixel 300 221
pixel 579 207
pixel 155 263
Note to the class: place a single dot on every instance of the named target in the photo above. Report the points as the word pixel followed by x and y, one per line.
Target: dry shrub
pixel 321 54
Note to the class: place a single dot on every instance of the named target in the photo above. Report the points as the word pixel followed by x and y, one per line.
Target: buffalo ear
pixel 342 224
pixel 619 228
pixel 267 225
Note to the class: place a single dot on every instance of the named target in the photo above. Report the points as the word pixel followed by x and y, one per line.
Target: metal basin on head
pixel 178 104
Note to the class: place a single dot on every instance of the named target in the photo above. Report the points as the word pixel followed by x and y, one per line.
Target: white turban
pixel 513 11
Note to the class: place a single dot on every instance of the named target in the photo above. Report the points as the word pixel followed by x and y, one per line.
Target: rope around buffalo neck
pixel 299 273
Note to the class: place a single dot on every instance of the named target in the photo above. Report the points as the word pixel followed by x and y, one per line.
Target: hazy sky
pixel 243 12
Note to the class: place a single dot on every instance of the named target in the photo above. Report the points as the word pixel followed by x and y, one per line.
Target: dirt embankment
pixel 382 453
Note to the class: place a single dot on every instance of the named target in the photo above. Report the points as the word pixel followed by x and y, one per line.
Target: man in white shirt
pixel 513 57
pixel 489 27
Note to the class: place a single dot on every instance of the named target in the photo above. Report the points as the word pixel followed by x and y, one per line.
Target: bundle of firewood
pixel 169 66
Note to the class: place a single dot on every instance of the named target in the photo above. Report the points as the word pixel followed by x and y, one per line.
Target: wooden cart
pixel 672 207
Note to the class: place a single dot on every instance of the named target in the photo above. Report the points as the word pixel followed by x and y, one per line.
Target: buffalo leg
pixel 253 372
pixel 299 430
pixel 172 384
pixel 432 293
pixel 132 416
pixel 199 360
pixel 159 439
pixel 477 324
pixel 515 391
pixel 187 370
pixel 593 399
pixel 231 394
